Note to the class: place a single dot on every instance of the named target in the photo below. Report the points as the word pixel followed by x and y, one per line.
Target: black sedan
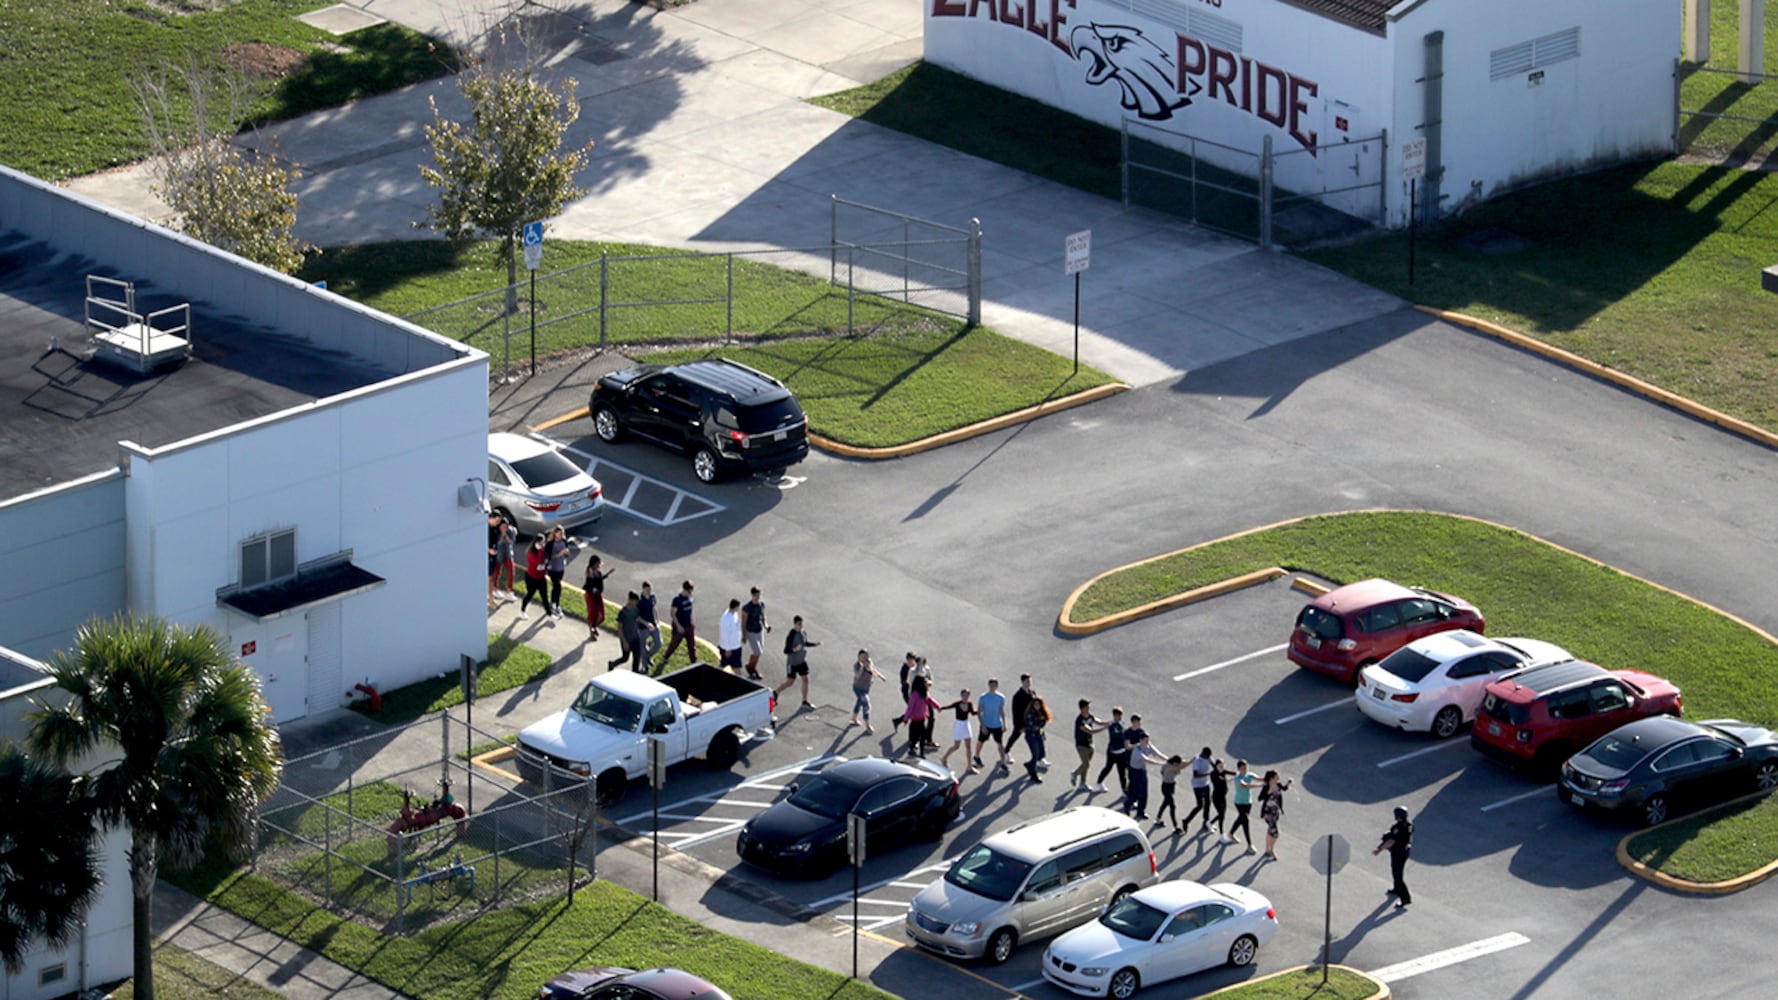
pixel 1653 766
pixel 611 983
pixel 805 833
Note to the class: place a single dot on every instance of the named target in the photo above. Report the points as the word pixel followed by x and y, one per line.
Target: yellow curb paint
pixel 562 419
pixel 1309 586
pixel 1382 991
pixel 1068 626
pixel 489 760
pixel 1694 409
pixel 973 430
pixel 1678 884
pixel 1064 623
pixel 949 966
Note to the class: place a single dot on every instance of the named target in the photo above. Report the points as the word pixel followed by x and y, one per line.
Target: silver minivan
pixel 1034 880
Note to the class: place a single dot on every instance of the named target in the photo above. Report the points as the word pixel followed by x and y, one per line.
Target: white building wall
pixel 375 471
pixel 1612 103
pixel 71 538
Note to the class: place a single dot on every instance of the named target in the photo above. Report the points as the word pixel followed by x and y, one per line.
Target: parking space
pixel 641 496
pixel 688 823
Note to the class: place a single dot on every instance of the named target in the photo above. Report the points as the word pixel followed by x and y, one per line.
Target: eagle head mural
pixel 1142 70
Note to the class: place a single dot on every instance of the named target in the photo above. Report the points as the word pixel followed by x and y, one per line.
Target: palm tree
pixel 49 869
pixel 186 751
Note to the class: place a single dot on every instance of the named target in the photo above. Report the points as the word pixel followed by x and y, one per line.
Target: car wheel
pixel 1000 946
pixel 1242 952
pixel 1446 723
pixel 703 465
pixel 932 827
pixel 725 750
pixel 1120 895
pixel 605 424
pixel 1654 810
pixel 1767 776
pixel 1124 984
pixel 1358 672
pixel 610 787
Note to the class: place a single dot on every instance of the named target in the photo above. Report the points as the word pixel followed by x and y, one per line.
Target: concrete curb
pixel 1678 884
pixel 1066 625
pixel 1042 409
pixel 1696 410
pixel 1382 992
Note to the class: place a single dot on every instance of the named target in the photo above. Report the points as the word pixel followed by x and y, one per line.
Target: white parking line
pixel 703 505
pixel 1269 650
pixel 1516 798
pixel 715 797
pixel 1435 748
pixel 1027 987
pixel 843 897
pixel 1450 956
pixel 1345 702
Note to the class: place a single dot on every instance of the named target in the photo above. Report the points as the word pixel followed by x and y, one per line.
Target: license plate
pixel 781 435
pixel 1377 694
pixel 1575 800
pixel 1312 642
pixel 1493 729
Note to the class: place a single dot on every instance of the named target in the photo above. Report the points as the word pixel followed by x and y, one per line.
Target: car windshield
pixel 769 416
pixel 825 798
pixel 596 704
pixel 989 873
pixel 1134 919
pixel 1319 623
pixel 1409 665
pixel 542 470
pixel 1617 754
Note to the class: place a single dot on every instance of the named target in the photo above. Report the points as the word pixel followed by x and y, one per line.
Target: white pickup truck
pixel 698 711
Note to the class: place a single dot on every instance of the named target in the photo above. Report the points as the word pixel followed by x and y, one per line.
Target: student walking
pixel 1201 767
pixel 509 568
pixel 919 717
pixel 960 732
pixel 1142 754
pixel 992 709
pixel 796 659
pixel 1398 840
pixel 912 665
pixel 728 637
pixel 594 587
pixel 1085 725
pixel 863 672
pixel 536 585
pixel 1037 716
pixel 1219 799
pixel 753 623
pixel 1245 782
pixel 680 622
pixel 1170 772
pixel 1021 705
pixel 496 531
pixel 561 550
pixel 1117 753
pixel 651 629
pixel 629 634
pixel 1271 809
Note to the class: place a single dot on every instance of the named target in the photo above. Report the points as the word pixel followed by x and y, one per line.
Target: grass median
pixel 66 105
pixel 1304 984
pixel 1715 845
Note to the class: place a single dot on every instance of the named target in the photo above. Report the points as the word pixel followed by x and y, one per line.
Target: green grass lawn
pixel 505 954
pixel 1304 984
pixel 1713 846
pixel 66 107
pixel 181 975
pixel 510 664
pixel 1721 93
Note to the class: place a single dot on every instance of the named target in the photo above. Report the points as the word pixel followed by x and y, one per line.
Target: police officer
pixel 1397 840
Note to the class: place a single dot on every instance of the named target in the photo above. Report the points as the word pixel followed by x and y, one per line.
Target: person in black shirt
pixel 651 629
pixel 1085 725
pixel 1117 753
pixel 683 629
pixel 1021 700
pixel 1397 840
pixel 754 629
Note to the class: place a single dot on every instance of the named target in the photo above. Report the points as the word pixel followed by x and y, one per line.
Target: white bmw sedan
pixel 1159 933
pixel 1436 684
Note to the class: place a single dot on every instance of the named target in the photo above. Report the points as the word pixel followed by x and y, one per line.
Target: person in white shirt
pixel 728 636
pixel 1141 755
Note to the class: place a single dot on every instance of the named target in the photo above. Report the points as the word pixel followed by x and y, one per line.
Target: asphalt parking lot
pixel 966 553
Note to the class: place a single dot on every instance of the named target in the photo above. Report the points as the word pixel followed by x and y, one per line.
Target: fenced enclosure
pixel 882 271
pixel 1295 197
pixel 332 831
pixel 1726 115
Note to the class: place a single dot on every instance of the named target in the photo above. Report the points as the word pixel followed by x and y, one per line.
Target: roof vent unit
pixel 133 340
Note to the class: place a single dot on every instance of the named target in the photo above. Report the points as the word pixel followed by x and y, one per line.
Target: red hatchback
pixel 1542 716
pixel 1352 627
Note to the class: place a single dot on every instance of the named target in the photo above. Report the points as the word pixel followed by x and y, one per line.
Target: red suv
pixel 1543 715
pixel 1352 627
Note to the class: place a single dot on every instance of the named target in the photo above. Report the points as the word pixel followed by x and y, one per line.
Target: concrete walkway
pixel 703 139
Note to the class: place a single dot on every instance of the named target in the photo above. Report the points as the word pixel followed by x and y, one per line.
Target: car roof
pixel 671 984
pixel 1657 731
pixel 1039 838
pixel 745 385
pixel 514 447
pixel 867 771
pixel 1443 646
pixel 1178 893
pixel 1358 596
pixel 1537 681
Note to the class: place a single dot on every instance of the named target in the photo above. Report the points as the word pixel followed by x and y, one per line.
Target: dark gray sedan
pixel 1653 768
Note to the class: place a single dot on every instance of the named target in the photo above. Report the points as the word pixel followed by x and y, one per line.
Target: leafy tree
pixel 188 753
pixel 506 165
pixel 49 869
pixel 229 197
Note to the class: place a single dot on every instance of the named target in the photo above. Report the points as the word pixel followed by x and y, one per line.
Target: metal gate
pixel 901 256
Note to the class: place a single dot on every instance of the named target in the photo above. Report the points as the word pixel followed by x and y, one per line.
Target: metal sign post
pixel 533 260
pixel 466 677
pixel 1077 255
pixel 657 776
pixel 855 842
pixel 1413 167
pixel 1329 856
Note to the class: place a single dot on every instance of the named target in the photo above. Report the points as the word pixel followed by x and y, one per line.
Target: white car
pixel 1436 684
pixel 1165 931
pixel 534 487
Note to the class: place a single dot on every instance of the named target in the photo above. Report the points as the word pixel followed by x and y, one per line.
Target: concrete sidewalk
pixel 704 139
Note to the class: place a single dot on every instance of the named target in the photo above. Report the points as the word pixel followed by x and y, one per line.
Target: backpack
pixel 790 642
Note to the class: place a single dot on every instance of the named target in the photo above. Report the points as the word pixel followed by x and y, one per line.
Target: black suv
pixel 726 415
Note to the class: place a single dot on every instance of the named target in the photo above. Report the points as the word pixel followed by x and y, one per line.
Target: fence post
pixel 326 853
pixel 904 259
pixel 1265 193
pixel 1123 161
pixel 604 293
pixel 497 853
pixel 1383 183
pixel 833 238
pixel 400 886
pixel 975 273
pixel 729 331
pixel 850 292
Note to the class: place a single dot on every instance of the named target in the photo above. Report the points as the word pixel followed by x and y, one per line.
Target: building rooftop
pixel 1368 15
pixel 62 413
